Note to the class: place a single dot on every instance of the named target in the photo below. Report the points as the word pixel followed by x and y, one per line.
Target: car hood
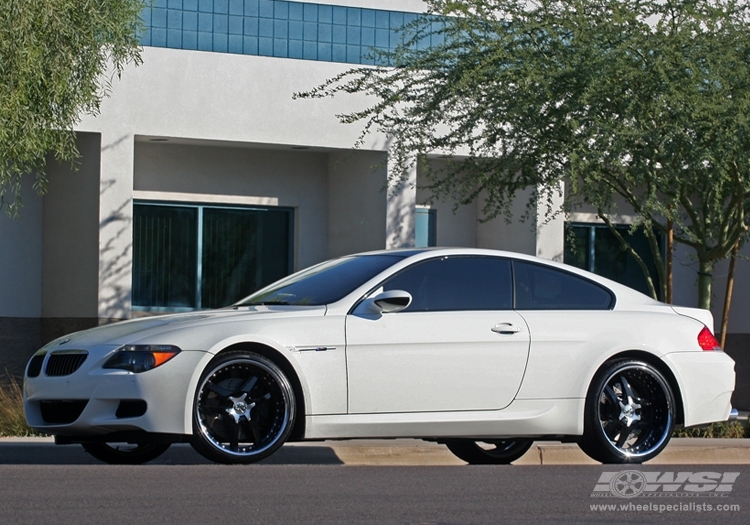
pixel 136 329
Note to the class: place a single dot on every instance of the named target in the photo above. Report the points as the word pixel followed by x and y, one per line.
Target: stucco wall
pixel 21 258
pixel 71 235
pixel 221 96
pixel 356 202
pixel 465 225
pixel 518 236
pixel 454 227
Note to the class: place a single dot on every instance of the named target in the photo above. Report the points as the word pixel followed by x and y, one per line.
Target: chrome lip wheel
pixel 243 410
pixel 636 411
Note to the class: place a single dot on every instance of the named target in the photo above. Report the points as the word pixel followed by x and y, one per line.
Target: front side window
pixel 191 256
pixel 456 283
pixel 539 287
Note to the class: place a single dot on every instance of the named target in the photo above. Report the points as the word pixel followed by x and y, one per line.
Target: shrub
pixel 12 418
pixel 726 429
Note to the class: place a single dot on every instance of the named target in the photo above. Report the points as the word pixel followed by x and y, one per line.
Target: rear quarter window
pixel 539 287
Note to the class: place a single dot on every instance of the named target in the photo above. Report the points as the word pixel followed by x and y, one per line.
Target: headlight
pixel 141 358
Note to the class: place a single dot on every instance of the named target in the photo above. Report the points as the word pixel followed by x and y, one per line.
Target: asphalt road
pixel 310 486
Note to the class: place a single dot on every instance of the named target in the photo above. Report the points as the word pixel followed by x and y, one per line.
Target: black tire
pixel 488 452
pixel 244 409
pixel 125 453
pixel 629 414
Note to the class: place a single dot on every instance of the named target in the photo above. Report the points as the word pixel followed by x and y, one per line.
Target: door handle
pixel 506 328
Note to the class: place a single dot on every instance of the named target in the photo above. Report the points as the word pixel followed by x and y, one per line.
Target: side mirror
pixel 386 302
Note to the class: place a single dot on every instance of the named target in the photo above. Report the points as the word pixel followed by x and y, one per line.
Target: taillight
pixel 707 340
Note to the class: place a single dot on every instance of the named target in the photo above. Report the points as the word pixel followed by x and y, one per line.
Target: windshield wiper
pixel 264 303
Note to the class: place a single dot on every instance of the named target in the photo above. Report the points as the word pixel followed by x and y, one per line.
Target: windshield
pixel 323 283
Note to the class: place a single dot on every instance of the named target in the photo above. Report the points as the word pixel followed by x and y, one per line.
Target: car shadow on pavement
pixel 178 454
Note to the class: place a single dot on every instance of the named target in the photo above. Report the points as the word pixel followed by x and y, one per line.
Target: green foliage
pixel 53 59
pixel 646 102
pixel 12 418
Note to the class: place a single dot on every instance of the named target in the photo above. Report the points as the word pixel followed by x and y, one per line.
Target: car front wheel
pixel 629 414
pixel 244 409
pixel 488 452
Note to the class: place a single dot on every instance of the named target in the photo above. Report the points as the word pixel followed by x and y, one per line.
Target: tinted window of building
pixel 165 260
pixel 206 257
pixel 595 248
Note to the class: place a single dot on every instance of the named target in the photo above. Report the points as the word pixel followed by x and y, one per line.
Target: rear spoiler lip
pixel 699 314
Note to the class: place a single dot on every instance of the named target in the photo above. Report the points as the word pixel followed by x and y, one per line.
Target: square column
pixel 550 234
pixel 116 225
pixel 400 205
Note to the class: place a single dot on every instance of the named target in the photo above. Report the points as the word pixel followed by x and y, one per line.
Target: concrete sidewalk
pixel 393 452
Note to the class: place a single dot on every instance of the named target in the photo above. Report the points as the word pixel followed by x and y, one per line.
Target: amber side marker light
pixel 707 341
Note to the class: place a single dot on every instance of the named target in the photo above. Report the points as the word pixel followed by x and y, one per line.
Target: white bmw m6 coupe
pixel 484 351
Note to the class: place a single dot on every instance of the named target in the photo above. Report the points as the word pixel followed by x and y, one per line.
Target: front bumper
pixel 95 401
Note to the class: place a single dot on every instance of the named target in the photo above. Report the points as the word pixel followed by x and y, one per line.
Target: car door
pixel 458 346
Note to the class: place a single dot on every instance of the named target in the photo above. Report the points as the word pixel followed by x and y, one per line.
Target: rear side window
pixel 542 288
pixel 456 283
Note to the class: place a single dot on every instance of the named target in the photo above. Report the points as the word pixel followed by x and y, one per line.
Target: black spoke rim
pixel 635 411
pixel 241 408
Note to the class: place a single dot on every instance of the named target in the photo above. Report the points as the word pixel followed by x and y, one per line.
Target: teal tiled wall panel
pixel 274 28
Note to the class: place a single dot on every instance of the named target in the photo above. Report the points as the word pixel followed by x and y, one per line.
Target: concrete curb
pixel 394 452
pixel 413 452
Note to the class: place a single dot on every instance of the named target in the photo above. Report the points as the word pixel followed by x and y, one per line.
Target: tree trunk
pixel 728 294
pixel 705 280
pixel 668 296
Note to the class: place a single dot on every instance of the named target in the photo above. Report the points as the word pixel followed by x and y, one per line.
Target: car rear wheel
pixel 629 415
pixel 125 453
pixel 244 409
pixel 488 452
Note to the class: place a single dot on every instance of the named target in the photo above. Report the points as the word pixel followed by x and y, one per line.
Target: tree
pixel 637 100
pixel 53 59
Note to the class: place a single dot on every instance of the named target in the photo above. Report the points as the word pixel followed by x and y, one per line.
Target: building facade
pixel 203 178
